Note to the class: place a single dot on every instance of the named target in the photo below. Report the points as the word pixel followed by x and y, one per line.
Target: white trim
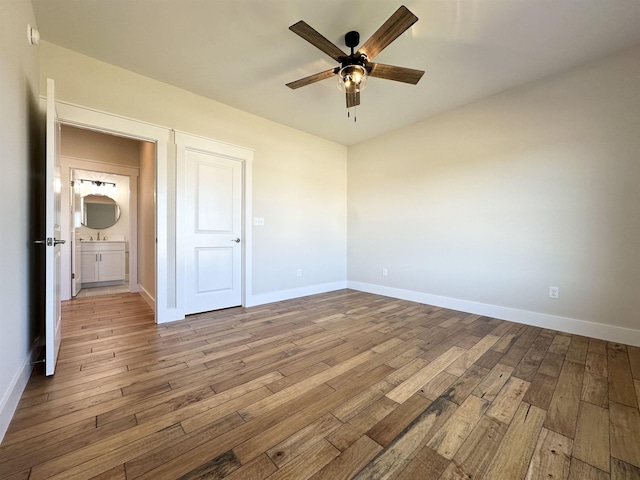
pixel 10 401
pixel 220 142
pixel 280 295
pixel 166 281
pixel 147 297
pixel 100 121
pixel 247 245
pixel 610 333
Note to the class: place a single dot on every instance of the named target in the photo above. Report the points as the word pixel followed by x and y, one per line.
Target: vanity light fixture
pixel 97 183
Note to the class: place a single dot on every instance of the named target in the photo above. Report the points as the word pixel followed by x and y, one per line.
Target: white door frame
pixel 167 294
pixel 245 157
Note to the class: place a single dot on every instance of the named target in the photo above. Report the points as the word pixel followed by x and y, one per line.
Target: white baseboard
pixel 280 295
pixel 12 396
pixel 602 331
pixel 147 297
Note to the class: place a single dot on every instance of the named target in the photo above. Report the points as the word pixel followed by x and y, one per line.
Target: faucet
pixel 98 236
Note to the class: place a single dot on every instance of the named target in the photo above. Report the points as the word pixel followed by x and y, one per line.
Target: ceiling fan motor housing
pixel 351 40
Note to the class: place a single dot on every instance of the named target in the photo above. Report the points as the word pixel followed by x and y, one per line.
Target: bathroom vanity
pixel 103 263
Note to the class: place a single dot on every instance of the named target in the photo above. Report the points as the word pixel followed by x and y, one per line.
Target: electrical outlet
pixel 385 272
pixel 554 292
pixel 299 272
pixel 258 222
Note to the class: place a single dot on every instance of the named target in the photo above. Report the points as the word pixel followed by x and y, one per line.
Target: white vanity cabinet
pixel 103 263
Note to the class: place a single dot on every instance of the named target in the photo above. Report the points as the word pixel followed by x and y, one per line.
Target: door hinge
pixel 73 275
pixel 73 184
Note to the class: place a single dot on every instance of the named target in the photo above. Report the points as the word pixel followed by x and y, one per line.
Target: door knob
pixel 237 240
pixel 50 242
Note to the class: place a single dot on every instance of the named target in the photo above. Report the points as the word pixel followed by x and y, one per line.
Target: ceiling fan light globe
pixel 352 78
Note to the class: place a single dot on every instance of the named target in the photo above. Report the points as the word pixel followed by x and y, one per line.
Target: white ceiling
pixel 241 52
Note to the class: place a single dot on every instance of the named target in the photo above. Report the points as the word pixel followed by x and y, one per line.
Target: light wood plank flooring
pixel 337 386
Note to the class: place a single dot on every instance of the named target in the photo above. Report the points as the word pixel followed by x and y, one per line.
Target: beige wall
pixel 498 200
pixel 146 219
pixel 299 181
pixel 99 147
pixel 21 220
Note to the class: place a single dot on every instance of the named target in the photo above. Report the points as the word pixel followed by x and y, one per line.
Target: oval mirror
pixel 99 211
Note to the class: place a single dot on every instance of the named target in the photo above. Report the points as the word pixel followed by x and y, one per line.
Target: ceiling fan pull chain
pixel 355 114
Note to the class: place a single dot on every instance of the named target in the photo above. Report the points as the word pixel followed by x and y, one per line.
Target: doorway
pixel 100 233
pixel 103 257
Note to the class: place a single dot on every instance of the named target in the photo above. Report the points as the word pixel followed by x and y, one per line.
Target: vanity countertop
pixel 87 238
pixel 101 241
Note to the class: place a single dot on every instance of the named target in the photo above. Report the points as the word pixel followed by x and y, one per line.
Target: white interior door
pixel 52 242
pixel 210 208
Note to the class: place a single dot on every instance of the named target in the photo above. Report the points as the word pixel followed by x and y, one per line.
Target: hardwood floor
pixel 334 386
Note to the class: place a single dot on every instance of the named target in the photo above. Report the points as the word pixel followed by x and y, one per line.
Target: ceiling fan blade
pixel 317 40
pixel 353 99
pixel 390 72
pixel 312 79
pixel 395 26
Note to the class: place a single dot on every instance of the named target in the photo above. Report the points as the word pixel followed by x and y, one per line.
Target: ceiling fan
pixel 357 66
